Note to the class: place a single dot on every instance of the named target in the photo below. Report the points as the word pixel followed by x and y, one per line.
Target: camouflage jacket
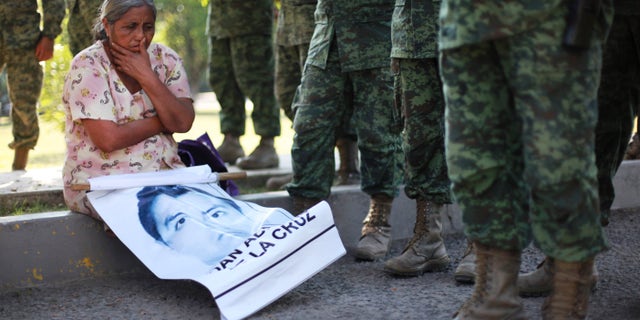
pixel 414 29
pixel 231 18
pixel 465 22
pixel 20 21
pixel 295 22
pixel 361 30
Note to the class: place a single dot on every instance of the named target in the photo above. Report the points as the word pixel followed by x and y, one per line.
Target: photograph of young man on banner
pixel 201 224
pixel 247 255
pixel 181 231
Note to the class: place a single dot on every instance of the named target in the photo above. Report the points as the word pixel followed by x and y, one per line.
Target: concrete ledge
pixel 627 185
pixel 49 248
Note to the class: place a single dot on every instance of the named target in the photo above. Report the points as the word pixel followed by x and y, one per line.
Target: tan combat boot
pixel 278 183
pixel 230 150
pixel 300 204
pixel 569 298
pixel 466 270
pixel 20 158
pixel 348 172
pixel 539 282
pixel 264 156
pixel 376 231
pixel 425 251
pixel 495 294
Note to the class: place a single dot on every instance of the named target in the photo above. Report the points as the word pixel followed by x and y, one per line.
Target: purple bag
pixel 201 151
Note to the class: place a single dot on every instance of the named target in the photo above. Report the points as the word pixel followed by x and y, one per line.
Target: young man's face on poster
pixel 197 224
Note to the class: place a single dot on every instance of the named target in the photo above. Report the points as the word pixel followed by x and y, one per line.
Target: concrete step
pixel 55 247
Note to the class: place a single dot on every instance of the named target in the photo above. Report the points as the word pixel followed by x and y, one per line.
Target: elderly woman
pixel 124 96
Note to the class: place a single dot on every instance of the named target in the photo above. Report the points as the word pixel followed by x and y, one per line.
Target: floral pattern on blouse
pixel 93 90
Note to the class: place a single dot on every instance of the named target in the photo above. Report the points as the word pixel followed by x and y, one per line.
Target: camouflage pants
pixel 289 64
pixel 618 100
pixel 242 67
pixel 520 119
pixel 80 25
pixel 320 108
pixel 24 81
pixel 418 91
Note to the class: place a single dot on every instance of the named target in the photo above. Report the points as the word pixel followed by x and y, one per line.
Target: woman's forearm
pixel 109 136
pixel 176 114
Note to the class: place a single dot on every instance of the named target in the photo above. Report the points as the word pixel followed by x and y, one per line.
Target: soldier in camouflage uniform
pixel 618 99
pixel 82 18
pixel 22 46
pixel 418 92
pixel 520 120
pixel 241 66
pixel 349 62
pixel 293 33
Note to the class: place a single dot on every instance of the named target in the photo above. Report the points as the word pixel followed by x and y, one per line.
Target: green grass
pixel 33 207
pixel 50 150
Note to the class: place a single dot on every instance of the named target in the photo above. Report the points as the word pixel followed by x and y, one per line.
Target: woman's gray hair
pixel 113 10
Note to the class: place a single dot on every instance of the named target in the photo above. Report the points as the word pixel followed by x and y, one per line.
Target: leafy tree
pixel 55 69
pixel 181 25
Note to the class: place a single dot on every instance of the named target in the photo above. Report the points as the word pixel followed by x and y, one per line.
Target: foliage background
pixel 181 24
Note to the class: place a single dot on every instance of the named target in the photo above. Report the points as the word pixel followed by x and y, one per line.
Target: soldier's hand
pixel 44 49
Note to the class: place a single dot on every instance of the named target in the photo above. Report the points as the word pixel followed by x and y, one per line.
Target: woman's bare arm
pixel 110 136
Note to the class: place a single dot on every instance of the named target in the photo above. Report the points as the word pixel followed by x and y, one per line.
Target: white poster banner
pixel 245 254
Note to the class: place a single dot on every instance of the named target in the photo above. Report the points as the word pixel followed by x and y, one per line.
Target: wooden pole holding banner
pixel 221 177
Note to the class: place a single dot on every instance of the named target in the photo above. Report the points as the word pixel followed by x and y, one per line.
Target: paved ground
pixel 345 290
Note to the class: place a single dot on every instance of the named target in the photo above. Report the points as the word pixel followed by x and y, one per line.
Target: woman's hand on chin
pixel 135 63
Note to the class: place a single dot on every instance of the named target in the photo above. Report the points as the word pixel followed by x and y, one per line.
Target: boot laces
pixel 420 229
pixel 376 217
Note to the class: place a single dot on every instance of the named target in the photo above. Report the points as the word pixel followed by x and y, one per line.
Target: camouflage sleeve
pixel 53 13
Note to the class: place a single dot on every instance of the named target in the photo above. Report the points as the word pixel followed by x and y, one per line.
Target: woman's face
pixel 134 26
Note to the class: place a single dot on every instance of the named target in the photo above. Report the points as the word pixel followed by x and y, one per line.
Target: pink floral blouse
pixel 93 90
